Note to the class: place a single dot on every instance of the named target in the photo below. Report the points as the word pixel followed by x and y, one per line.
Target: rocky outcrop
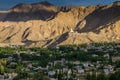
pixel 45 25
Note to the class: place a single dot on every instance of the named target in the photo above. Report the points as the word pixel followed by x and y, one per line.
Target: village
pixel 71 62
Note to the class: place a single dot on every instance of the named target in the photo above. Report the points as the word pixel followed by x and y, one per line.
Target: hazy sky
pixel 6 4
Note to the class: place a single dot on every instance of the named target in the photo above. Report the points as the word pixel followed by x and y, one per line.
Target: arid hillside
pixel 45 25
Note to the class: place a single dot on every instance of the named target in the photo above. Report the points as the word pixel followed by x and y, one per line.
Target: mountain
pixel 46 25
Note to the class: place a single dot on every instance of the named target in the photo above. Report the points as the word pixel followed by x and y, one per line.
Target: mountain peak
pixel 19 5
pixel 45 3
pixel 116 3
pixel 24 5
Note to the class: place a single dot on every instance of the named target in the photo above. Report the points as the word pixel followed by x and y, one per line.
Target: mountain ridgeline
pixel 46 25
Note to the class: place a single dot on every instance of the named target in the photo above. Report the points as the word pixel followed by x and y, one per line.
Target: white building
pixel 53 79
pixel 94 55
pixel 1 77
pixel 80 71
pixel 51 73
pixel 107 55
pixel 85 65
pixel 106 71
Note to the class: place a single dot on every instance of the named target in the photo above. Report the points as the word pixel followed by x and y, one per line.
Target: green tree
pixel 22 75
pixel 2 69
pixel 91 77
pixel 115 76
pixel 101 77
pixel 39 76
pixel 19 67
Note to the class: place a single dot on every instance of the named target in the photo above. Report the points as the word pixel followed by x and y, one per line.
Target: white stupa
pixel 71 30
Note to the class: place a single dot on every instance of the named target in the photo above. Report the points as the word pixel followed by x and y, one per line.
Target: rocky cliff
pixel 45 25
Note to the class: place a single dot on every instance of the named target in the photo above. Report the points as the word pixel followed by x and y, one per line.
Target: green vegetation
pixel 114 76
pixel 96 77
pixel 32 63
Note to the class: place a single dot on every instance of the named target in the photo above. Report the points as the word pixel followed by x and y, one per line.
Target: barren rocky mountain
pixel 45 25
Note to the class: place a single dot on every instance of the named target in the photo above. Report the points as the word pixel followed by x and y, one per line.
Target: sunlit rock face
pixel 45 25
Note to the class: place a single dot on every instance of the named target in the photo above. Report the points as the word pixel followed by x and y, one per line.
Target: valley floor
pixel 94 61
